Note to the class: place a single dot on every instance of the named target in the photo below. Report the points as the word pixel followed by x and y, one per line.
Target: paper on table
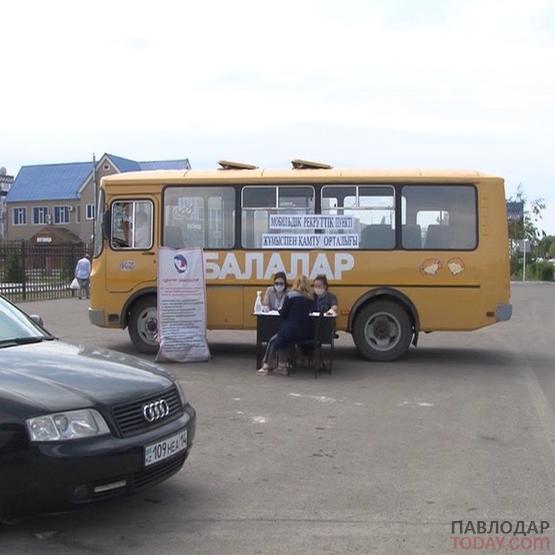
pixel 327 314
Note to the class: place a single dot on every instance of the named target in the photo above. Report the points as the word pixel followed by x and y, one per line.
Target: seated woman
pixel 275 294
pixel 324 300
pixel 295 325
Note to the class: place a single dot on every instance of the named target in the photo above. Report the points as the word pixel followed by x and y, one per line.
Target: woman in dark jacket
pixel 295 325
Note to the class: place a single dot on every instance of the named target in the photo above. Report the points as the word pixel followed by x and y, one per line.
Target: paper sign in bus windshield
pixel 309 228
pixel 182 305
pixel 310 222
pixel 313 241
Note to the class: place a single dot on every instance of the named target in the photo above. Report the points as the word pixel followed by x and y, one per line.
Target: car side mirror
pixel 37 319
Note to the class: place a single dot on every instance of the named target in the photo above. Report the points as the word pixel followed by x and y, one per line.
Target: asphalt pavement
pixel 375 458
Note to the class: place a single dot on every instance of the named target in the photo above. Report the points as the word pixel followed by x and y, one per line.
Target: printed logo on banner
pixel 180 263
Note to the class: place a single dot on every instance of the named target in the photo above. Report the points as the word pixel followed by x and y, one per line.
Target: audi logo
pixel 156 410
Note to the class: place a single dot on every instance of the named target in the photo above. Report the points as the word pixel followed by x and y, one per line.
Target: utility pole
pixel 524 260
pixel 95 201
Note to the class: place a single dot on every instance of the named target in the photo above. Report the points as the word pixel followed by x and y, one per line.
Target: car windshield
pixel 16 327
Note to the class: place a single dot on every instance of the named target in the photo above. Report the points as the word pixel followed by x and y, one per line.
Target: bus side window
pixel 372 208
pixel 199 217
pixel 439 217
pixel 259 203
pixel 131 225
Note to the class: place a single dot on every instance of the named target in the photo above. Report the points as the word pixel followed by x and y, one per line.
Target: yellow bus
pixel 404 251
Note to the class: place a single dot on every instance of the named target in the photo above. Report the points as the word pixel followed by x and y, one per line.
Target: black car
pixel 80 424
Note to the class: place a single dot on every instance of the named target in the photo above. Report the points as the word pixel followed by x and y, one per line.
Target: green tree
pixel 13 272
pixel 529 226
pixel 546 247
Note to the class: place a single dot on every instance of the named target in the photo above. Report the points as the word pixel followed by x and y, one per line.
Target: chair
pixel 412 236
pixel 324 334
pixel 377 236
pixel 439 237
pixel 266 327
pixel 450 237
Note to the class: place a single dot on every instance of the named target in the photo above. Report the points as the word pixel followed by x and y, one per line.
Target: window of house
pixel 61 214
pixel 19 216
pixel 40 215
pixel 259 204
pixel 90 211
pixel 439 217
pixel 372 208
pixel 132 225
pixel 199 217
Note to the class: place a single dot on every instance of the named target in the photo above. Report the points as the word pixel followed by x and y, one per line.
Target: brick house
pixel 62 195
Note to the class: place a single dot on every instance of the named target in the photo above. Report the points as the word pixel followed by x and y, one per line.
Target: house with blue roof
pixel 62 195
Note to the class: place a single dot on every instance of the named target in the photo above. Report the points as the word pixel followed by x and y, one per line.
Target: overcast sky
pixel 396 83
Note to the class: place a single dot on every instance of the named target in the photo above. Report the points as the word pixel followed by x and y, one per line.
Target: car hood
pixel 55 376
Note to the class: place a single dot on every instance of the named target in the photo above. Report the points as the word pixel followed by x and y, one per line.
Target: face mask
pixel 279 288
pixel 319 291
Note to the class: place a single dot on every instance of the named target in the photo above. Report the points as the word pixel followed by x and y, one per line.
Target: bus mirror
pixel 106 224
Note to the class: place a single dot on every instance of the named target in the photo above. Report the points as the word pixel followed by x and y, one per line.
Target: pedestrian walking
pixel 83 275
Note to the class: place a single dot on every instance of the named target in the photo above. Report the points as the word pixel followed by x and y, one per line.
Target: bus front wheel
pixel 143 325
pixel 382 331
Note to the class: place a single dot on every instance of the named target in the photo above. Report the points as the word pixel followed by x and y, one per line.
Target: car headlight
pixel 181 393
pixel 75 424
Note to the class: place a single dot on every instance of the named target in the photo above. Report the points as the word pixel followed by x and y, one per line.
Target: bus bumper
pixel 503 312
pixel 97 317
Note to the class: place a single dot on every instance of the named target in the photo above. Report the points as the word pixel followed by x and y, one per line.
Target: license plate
pixel 161 450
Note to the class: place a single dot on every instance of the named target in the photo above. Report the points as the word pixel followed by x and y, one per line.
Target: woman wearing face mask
pixel 324 301
pixel 295 326
pixel 275 295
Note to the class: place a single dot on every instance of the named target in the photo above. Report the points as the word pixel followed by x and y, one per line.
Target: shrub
pixel 13 272
pixel 545 271
pixel 516 266
pixel 68 266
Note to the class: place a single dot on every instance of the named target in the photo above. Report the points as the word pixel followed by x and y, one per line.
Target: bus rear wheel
pixel 143 325
pixel 382 331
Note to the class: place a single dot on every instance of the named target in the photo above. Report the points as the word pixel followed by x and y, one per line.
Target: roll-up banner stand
pixel 182 305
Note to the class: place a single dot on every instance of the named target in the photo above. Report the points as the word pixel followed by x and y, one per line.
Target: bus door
pixel 131 254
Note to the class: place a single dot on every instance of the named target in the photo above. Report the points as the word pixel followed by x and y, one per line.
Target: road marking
pixel 321 398
pixel 414 404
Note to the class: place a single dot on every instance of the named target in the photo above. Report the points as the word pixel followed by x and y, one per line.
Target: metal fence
pixel 34 271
